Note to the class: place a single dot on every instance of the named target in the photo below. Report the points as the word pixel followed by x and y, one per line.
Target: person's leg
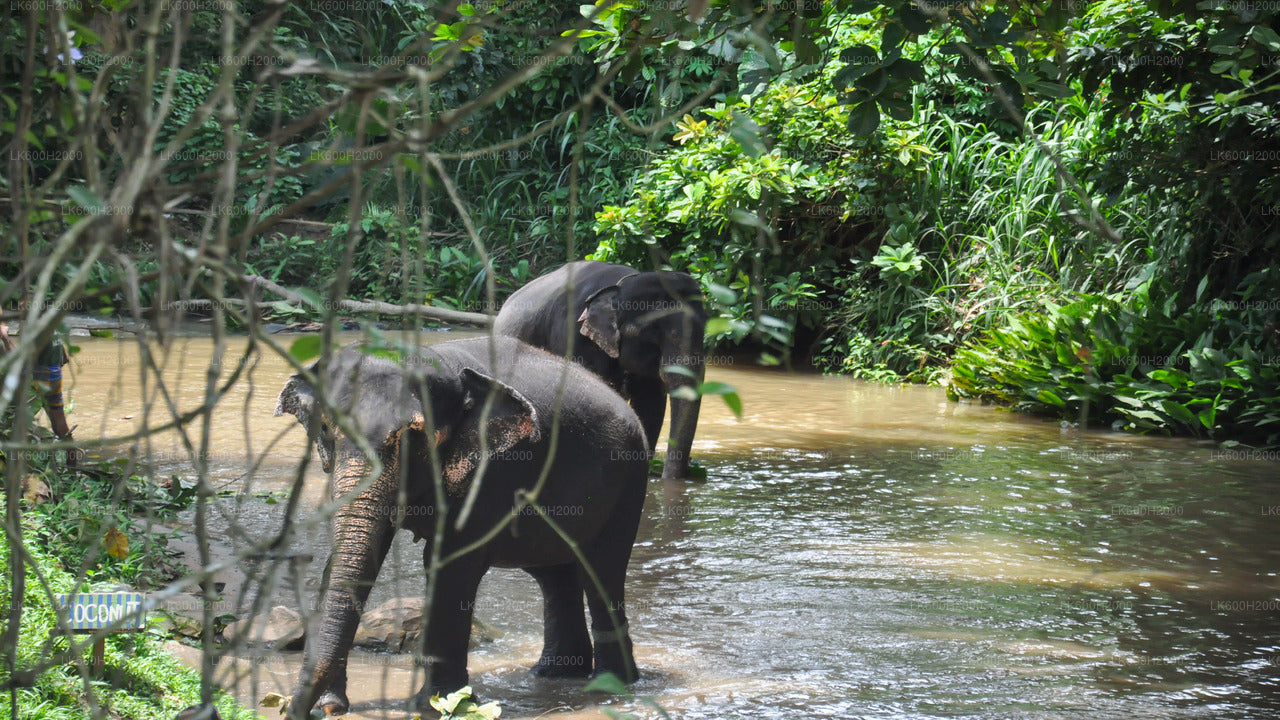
pixel 49 381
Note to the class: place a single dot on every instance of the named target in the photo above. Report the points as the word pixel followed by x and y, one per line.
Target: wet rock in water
pixel 392 626
pixel 280 629
pixel 396 626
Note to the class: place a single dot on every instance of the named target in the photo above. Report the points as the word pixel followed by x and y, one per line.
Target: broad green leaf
pixel 1050 398
pixel 310 297
pixel 864 118
pixel 85 197
pixel 685 392
pixel 607 683
pixel 679 370
pixel 1267 37
pixel 892 37
pixel 723 294
pixel 1177 411
pixel 717 325
pixel 305 348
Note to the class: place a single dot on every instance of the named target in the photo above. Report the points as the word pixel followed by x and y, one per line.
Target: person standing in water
pixel 48 380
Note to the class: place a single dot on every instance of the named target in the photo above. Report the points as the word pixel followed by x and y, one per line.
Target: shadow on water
pixel 859 551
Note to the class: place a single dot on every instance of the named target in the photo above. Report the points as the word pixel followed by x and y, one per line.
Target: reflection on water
pixel 859 551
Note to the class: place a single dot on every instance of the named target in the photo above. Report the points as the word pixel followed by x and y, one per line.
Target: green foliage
pixel 105 525
pixel 752 192
pixel 1148 364
pixel 459 705
pixel 147 682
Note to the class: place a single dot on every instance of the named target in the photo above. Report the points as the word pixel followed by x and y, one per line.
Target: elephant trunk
pixel 361 537
pixel 684 410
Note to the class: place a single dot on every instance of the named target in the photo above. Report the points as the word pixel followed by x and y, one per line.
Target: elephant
pixel 473 416
pixel 639 325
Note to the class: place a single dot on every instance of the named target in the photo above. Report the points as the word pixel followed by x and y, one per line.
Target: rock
pixel 396 626
pixel 280 629
pixel 392 626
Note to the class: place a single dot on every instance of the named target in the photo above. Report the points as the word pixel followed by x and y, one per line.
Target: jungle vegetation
pixel 1066 207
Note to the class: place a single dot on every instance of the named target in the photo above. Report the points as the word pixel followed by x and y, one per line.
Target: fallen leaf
pixel 117 544
pixel 34 490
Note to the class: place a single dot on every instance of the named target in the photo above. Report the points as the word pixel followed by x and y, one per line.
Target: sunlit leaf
pixel 116 544
pixel 305 348
pixel 607 683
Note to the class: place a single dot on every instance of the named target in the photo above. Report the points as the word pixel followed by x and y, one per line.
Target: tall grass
pixel 1000 234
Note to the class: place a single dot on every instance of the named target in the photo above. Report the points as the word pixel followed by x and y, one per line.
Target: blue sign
pixel 94 611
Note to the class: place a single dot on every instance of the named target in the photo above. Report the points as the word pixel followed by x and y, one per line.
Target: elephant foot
pixel 333 703
pixel 613 655
pixel 563 666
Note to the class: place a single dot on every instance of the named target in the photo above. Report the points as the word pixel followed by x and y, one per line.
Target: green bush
pixel 148 682
pixel 1151 363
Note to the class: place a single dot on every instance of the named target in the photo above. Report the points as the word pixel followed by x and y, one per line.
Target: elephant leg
pixel 448 627
pixel 608 557
pixel 649 400
pixel 566 647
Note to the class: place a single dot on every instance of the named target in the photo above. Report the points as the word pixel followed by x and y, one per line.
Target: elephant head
pixel 430 403
pixel 653 324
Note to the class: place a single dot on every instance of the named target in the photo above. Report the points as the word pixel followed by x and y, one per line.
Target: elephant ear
pixel 298 399
pixel 510 419
pixel 599 320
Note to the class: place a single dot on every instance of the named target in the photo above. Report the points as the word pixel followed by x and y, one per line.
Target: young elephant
pixel 489 407
pixel 635 325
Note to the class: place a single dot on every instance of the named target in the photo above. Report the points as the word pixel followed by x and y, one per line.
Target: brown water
pixel 859 551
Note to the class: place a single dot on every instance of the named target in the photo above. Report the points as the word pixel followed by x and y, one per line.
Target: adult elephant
pixel 637 325
pixel 474 417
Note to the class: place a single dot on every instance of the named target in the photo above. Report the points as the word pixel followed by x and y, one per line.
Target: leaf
pixel 717 325
pixel 864 118
pixel 913 19
pixel 892 37
pixel 722 293
pixel 607 683
pixel 85 197
pixel 726 391
pixel 276 700
pixel 1222 66
pixel 1267 37
pixel 116 543
pixel 305 348
pixel 310 297
pixel 680 370
pixel 689 129
pixel 1178 411
pixel 747 133
pixel 685 392
pixel 1048 397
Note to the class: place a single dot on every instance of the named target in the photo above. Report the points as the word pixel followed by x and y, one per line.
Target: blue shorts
pixel 49 381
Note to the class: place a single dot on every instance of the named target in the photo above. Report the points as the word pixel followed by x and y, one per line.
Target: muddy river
pixel 859 551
